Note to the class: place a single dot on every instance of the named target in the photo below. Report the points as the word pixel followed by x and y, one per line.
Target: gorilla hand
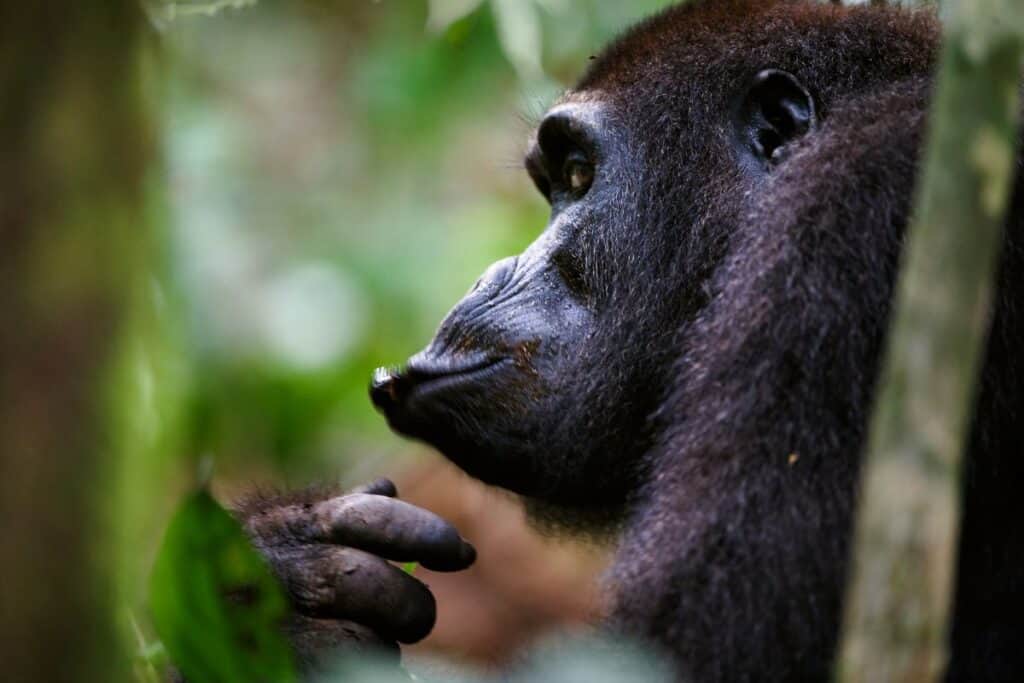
pixel 331 555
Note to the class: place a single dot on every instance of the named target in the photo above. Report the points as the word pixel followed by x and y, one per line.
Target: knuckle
pixel 350 510
pixel 281 526
pixel 307 578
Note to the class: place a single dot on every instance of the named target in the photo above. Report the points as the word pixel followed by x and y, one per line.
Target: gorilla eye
pixel 577 174
pixel 563 157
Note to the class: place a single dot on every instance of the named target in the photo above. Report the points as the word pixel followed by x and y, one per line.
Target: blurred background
pixel 333 177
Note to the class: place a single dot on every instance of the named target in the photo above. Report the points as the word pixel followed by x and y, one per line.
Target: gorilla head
pixel 543 379
pixel 539 380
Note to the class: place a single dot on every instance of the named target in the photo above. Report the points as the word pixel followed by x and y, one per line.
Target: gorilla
pixel 687 354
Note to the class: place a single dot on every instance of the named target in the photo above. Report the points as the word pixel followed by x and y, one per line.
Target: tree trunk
pixel 904 556
pixel 72 226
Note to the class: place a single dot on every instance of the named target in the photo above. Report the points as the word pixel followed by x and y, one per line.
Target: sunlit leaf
pixel 519 32
pixel 444 13
pixel 215 604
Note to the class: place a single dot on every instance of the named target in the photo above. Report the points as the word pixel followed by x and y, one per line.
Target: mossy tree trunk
pixel 75 149
pixel 906 534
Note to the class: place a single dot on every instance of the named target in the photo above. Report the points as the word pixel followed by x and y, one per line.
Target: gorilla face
pixel 522 384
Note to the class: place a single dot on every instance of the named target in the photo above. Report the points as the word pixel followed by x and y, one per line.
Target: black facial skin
pixel 696 335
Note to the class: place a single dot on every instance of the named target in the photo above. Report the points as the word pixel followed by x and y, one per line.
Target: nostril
pixel 386 388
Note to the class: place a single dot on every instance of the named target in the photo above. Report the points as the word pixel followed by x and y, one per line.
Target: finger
pixel 317 642
pixel 274 518
pixel 378 487
pixel 393 529
pixel 345 583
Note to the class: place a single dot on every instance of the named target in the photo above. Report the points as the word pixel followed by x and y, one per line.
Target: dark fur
pixel 735 558
pixel 696 336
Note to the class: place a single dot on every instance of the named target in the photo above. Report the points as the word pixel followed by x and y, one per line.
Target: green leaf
pixel 519 32
pixel 216 606
pixel 444 13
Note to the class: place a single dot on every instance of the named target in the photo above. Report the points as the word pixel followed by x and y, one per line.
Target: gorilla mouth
pixel 392 389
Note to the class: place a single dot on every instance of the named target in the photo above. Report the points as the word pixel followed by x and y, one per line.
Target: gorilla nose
pixel 386 388
pixel 390 387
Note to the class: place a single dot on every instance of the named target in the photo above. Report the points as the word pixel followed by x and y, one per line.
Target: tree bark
pixel 906 531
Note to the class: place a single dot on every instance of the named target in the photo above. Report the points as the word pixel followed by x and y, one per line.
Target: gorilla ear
pixel 776 110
